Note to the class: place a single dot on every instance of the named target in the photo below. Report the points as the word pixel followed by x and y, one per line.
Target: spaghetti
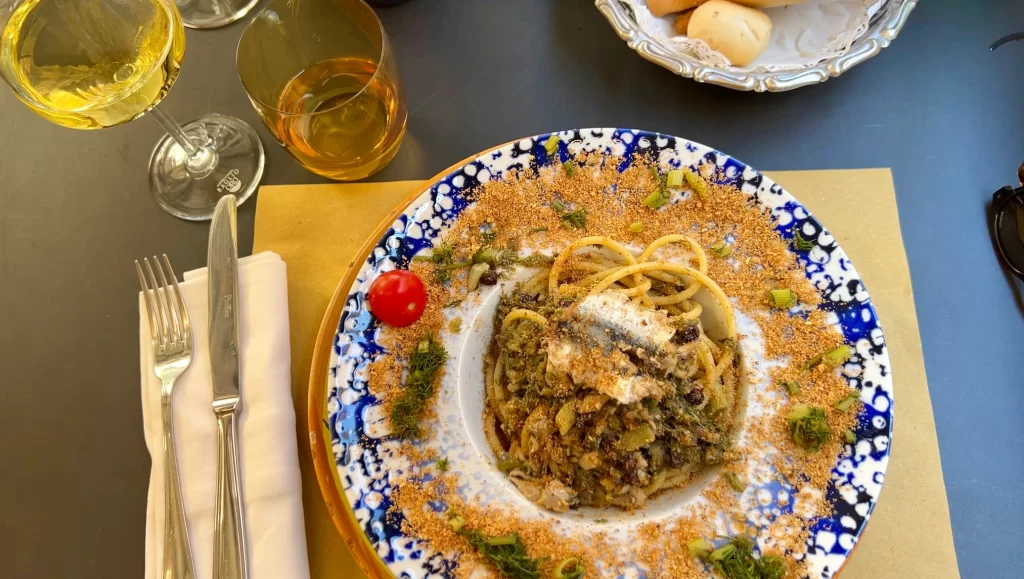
pixel 602 386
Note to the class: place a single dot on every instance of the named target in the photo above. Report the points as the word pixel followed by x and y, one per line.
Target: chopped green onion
pixel 800 243
pixel 808 427
pixel 484 255
pixel 570 168
pixel 661 195
pixel 474 275
pixel 674 178
pixel 507 554
pixel 838 356
pixel 849 436
pixel 698 548
pixel 575 219
pixel 502 540
pixel 453 303
pixel 723 552
pixel 441 464
pixel 791 386
pixel 636 227
pixel 441 256
pixel 455 521
pixel 538 229
pixel 551 145
pixel 600 520
pixel 699 186
pixel 734 481
pixel 845 404
pixel 781 298
pixel 655 200
pixel 496 258
pixel 735 560
pixel 832 358
pixel 800 411
pixel 721 249
pixel 571 568
pixel 489 236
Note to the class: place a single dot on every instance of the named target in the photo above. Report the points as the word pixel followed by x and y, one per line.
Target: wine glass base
pixel 193 196
pixel 212 13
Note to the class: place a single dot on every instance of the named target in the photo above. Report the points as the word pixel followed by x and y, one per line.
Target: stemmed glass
pixel 92 64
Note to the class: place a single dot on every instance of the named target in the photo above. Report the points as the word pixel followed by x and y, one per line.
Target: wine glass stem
pixel 202 160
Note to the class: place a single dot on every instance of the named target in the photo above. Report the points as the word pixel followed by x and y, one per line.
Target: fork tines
pixel 168 318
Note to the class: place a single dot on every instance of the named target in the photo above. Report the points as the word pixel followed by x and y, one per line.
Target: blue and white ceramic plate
pixel 356 459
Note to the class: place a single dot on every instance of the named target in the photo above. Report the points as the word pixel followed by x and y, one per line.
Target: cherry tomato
pixel 398 297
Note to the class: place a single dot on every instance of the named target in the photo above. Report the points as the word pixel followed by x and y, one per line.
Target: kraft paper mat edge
pixel 317 229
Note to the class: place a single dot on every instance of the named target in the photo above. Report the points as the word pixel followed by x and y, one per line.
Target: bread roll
pixel 768 3
pixel 682 22
pixel 738 32
pixel 660 8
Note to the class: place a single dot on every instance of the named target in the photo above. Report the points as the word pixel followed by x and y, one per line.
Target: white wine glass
pixel 324 80
pixel 93 64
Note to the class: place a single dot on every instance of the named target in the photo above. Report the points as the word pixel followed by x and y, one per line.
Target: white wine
pixel 90 64
pixel 341 119
pixel 323 77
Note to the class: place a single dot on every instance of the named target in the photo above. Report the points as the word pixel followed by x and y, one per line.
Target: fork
pixel 171 331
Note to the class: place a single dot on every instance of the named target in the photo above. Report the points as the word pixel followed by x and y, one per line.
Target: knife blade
pixel 222 260
pixel 229 552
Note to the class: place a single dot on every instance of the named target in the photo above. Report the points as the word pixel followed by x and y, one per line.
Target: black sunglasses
pixel 1008 224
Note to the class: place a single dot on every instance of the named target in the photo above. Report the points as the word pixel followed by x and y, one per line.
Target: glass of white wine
pixel 324 79
pixel 92 64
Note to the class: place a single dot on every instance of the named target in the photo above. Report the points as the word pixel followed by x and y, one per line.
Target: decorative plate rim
pixel 879 36
pixel 338 506
pixel 327 474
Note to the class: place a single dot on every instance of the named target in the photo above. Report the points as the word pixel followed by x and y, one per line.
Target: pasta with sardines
pixel 602 386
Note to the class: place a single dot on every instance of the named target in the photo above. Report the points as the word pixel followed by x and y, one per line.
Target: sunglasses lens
pixel 1010 230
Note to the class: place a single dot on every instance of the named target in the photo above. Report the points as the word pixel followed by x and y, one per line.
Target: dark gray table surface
pixel 940 109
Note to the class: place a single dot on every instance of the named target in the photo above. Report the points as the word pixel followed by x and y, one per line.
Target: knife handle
pixel 229 557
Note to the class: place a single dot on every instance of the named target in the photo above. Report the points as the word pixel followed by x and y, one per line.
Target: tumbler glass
pixel 323 78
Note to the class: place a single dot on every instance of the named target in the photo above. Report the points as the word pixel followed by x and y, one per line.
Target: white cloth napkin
pixel 271 487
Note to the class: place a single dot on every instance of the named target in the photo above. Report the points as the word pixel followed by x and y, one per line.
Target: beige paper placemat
pixel 317 230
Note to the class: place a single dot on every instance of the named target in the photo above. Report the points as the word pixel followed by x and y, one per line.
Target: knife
pixel 229 557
